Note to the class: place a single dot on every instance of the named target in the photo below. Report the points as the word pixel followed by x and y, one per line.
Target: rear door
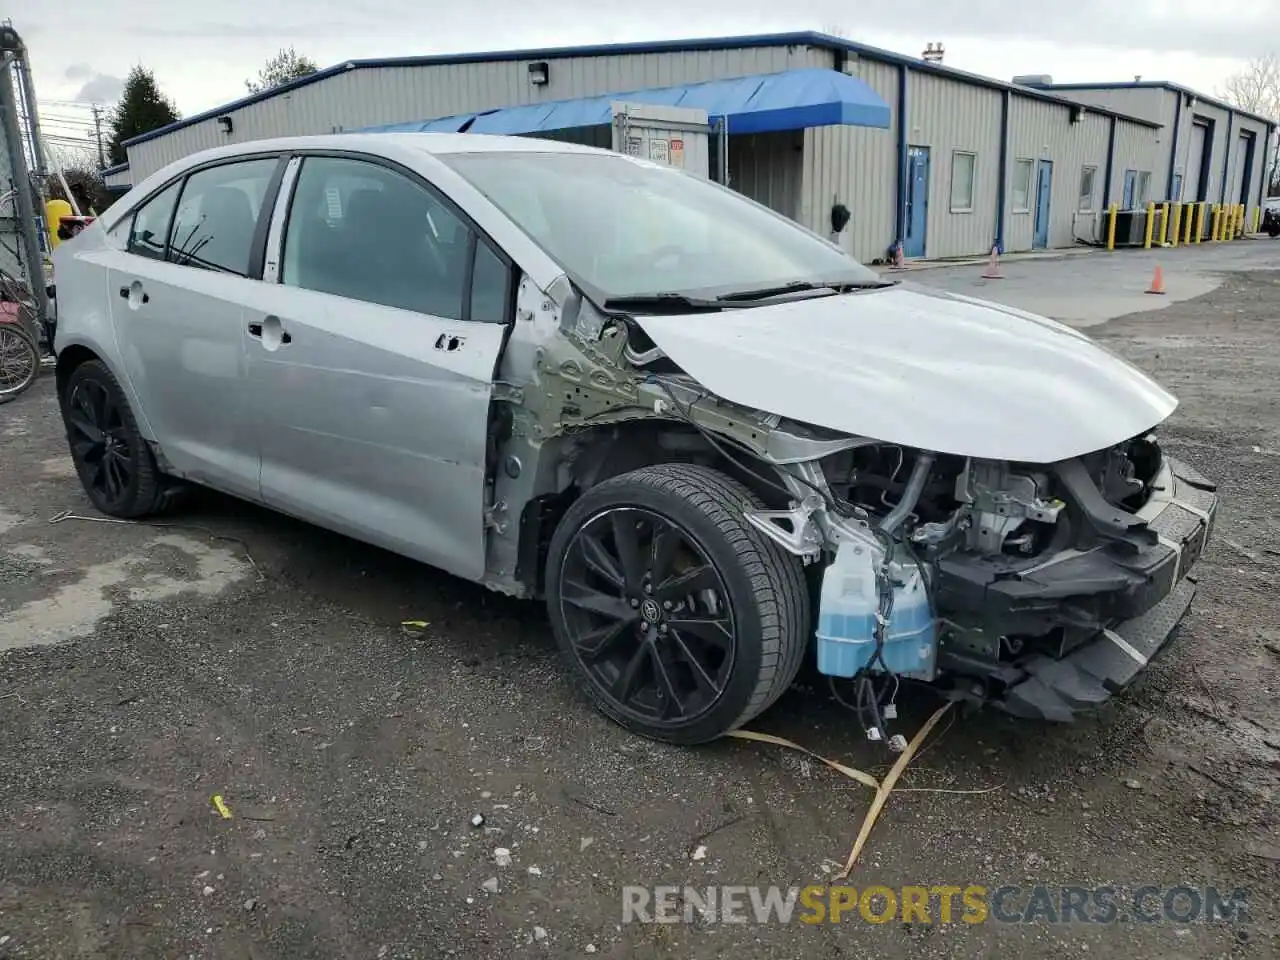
pixel 178 291
pixel 372 359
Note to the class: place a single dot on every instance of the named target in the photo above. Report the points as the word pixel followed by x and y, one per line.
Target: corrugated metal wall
pixel 1040 130
pixel 1138 148
pixel 858 167
pixel 368 97
pixel 769 168
pixel 948 116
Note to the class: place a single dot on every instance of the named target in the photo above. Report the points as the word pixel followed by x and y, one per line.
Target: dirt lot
pixel 144 669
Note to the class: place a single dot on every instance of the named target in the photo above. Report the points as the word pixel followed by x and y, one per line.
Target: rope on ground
pixel 882 788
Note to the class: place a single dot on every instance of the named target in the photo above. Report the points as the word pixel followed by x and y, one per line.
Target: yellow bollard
pixel 1164 225
pixel 1257 219
pixel 1111 225
pixel 1199 230
pixel 1151 222
pixel 1241 222
pixel 1175 224
pixel 1214 224
pixel 1186 233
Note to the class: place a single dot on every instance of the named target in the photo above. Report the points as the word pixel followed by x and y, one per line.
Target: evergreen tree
pixel 286 65
pixel 142 108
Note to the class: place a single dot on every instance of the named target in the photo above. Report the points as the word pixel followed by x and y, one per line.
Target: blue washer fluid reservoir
pixel 847 617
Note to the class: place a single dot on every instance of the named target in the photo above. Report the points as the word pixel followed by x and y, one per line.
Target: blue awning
pixel 762 103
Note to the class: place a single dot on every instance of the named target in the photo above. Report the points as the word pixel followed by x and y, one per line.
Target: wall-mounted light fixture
pixel 1077 114
pixel 225 123
pixel 539 73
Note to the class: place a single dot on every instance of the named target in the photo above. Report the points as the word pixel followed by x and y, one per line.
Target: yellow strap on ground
pixel 882 788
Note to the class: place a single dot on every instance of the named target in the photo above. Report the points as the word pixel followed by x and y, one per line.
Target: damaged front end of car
pixel 1049 587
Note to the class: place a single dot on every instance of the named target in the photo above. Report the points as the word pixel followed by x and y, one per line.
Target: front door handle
pixel 270 331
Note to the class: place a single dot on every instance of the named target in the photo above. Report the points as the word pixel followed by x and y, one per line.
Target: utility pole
pixel 97 135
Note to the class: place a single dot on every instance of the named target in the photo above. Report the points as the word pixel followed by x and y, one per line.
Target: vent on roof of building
pixel 1034 80
pixel 933 52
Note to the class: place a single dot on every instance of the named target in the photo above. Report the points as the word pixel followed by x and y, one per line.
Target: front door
pixel 178 295
pixel 1130 186
pixel 371 361
pixel 1044 193
pixel 917 217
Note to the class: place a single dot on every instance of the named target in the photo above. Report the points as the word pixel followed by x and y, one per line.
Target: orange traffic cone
pixel 1157 281
pixel 993 266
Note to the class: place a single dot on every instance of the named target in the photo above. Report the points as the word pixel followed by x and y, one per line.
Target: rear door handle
pixel 124 293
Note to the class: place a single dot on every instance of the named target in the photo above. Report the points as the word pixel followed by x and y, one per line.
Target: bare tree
pixel 1256 88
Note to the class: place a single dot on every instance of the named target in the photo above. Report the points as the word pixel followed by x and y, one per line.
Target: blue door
pixel 917 201
pixel 1044 190
pixel 1130 188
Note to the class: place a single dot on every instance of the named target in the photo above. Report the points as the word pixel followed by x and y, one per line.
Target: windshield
pixel 629 228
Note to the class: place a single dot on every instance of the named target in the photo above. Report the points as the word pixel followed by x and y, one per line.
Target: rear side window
pixel 218 214
pixel 360 230
pixel 149 231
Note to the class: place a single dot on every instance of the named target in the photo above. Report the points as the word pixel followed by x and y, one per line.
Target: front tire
pixel 678 619
pixel 113 460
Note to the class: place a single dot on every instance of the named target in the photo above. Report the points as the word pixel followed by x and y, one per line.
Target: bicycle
pixel 19 339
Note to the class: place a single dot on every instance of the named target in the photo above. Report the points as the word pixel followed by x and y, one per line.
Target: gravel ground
pixel 145 669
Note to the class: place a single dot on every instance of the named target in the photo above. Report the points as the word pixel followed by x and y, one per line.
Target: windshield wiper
pixel 800 286
pixel 664 302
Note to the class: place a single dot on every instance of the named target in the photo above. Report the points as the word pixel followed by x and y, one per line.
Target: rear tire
pixel 113 460
pixel 679 620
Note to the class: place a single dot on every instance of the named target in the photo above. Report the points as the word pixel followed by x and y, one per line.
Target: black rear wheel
pixel 114 462
pixel 679 620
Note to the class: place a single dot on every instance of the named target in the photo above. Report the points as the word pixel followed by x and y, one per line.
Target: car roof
pixel 375 143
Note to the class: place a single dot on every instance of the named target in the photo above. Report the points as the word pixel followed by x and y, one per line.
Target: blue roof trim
pixel 762 103
pixel 1154 85
pixel 118 168
pixel 808 38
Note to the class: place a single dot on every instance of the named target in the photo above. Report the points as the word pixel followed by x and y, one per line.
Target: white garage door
pixel 1236 182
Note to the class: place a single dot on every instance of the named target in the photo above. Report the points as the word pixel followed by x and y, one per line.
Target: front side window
pixel 361 230
pixel 149 229
pixel 625 228
pixel 218 214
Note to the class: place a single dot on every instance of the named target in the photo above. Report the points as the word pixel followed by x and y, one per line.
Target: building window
pixel 1088 174
pixel 962 167
pixel 1022 186
pixel 1144 187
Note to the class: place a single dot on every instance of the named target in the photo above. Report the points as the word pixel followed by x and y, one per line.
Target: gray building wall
pixel 1140 149
pixel 391 94
pixel 1160 104
pixel 949 117
pixel 858 167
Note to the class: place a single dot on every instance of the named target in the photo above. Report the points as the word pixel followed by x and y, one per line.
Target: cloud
pixel 78 71
pixel 101 89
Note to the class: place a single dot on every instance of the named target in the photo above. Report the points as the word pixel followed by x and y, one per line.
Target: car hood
pixel 921 368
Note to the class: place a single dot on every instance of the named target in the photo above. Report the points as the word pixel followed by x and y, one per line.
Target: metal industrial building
pixel 960 162
pixel 1213 152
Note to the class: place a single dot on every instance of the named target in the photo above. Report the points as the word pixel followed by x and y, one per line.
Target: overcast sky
pixel 202 54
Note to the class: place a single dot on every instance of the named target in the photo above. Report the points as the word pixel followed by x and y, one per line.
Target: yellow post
pixel 1199 231
pixel 1151 222
pixel 1186 233
pixel 1215 223
pixel 1257 219
pixel 1240 222
pixel 1164 225
pixel 1111 225
pixel 1175 223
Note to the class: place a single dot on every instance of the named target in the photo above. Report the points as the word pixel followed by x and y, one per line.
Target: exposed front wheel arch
pixel 677 619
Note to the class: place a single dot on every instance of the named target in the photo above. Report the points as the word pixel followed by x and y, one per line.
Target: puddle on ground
pixel 167 566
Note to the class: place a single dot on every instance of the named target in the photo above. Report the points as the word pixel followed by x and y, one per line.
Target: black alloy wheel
pixel 114 462
pixel 680 620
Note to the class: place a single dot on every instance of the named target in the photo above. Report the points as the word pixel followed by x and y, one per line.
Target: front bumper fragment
pixel 1181 511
